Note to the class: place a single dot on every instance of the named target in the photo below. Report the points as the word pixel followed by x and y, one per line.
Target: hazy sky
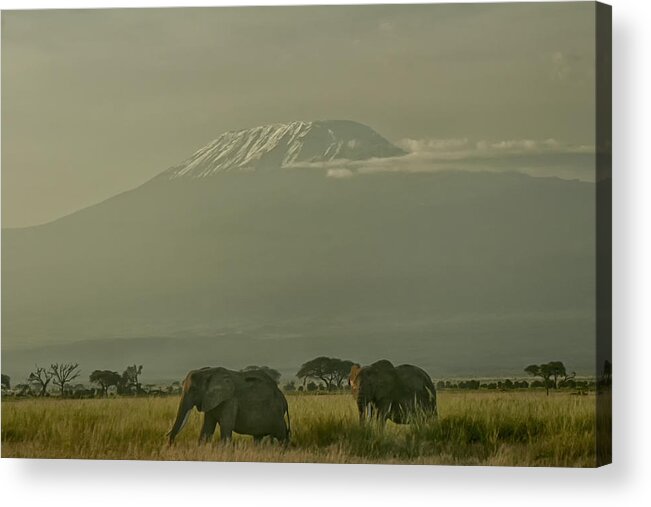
pixel 96 102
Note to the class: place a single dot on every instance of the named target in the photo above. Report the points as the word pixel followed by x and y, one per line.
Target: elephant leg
pixel 225 433
pixel 258 438
pixel 373 412
pixel 208 428
pixel 383 412
pixel 281 433
pixel 283 438
pixel 365 411
pixel 228 415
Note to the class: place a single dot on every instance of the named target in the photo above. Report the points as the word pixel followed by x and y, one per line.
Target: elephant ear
pixel 353 379
pixel 354 373
pixel 219 388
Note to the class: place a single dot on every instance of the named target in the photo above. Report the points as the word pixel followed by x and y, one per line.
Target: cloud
pixel 539 158
pixel 463 148
pixel 419 145
pixel 339 173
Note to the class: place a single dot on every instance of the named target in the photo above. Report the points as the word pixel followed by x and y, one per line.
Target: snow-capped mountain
pixel 443 269
pixel 283 145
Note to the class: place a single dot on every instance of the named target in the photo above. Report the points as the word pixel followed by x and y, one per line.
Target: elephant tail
pixel 289 424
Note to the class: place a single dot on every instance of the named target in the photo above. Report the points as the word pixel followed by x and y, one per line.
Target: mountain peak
pixel 281 145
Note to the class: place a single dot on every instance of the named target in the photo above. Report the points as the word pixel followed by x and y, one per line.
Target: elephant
pixel 248 403
pixel 389 392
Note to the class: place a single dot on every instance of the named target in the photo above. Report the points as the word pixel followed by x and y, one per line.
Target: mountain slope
pixel 459 272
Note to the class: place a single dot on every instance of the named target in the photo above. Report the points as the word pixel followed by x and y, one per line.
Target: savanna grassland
pixel 473 428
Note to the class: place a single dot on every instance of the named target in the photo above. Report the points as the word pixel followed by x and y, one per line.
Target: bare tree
pixel 130 381
pixel 40 378
pixel 64 374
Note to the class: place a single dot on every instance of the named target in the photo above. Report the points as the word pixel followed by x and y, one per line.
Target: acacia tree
pixel 6 381
pixel 40 378
pixel 550 373
pixel 556 370
pixel 63 374
pixel 542 371
pixel 566 377
pixel 105 379
pixel 342 369
pixel 329 370
pixel 273 374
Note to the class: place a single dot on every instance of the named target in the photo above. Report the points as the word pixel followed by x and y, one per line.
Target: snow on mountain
pixel 281 145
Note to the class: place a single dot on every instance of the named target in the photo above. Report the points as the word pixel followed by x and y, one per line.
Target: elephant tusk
pixel 185 421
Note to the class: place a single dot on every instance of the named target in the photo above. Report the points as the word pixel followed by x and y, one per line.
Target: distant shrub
pixel 469 384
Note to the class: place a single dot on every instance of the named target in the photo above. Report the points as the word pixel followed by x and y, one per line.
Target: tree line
pixel 62 375
pixel 41 381
pixel 322 373
pixel 554 375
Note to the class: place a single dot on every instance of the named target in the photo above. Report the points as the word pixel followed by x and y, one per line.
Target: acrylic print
pixel 336 234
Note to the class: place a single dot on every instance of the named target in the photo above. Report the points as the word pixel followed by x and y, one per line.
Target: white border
pixel 105 483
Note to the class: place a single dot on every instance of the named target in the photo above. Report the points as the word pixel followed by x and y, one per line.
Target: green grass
pixel 473 428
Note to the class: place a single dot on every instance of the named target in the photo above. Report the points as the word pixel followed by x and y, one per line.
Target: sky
pixel 96 102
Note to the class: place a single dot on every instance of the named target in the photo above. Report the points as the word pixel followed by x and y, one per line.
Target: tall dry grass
pixel 473 428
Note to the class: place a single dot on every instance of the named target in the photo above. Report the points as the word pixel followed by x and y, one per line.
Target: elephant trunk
pixel 185 405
